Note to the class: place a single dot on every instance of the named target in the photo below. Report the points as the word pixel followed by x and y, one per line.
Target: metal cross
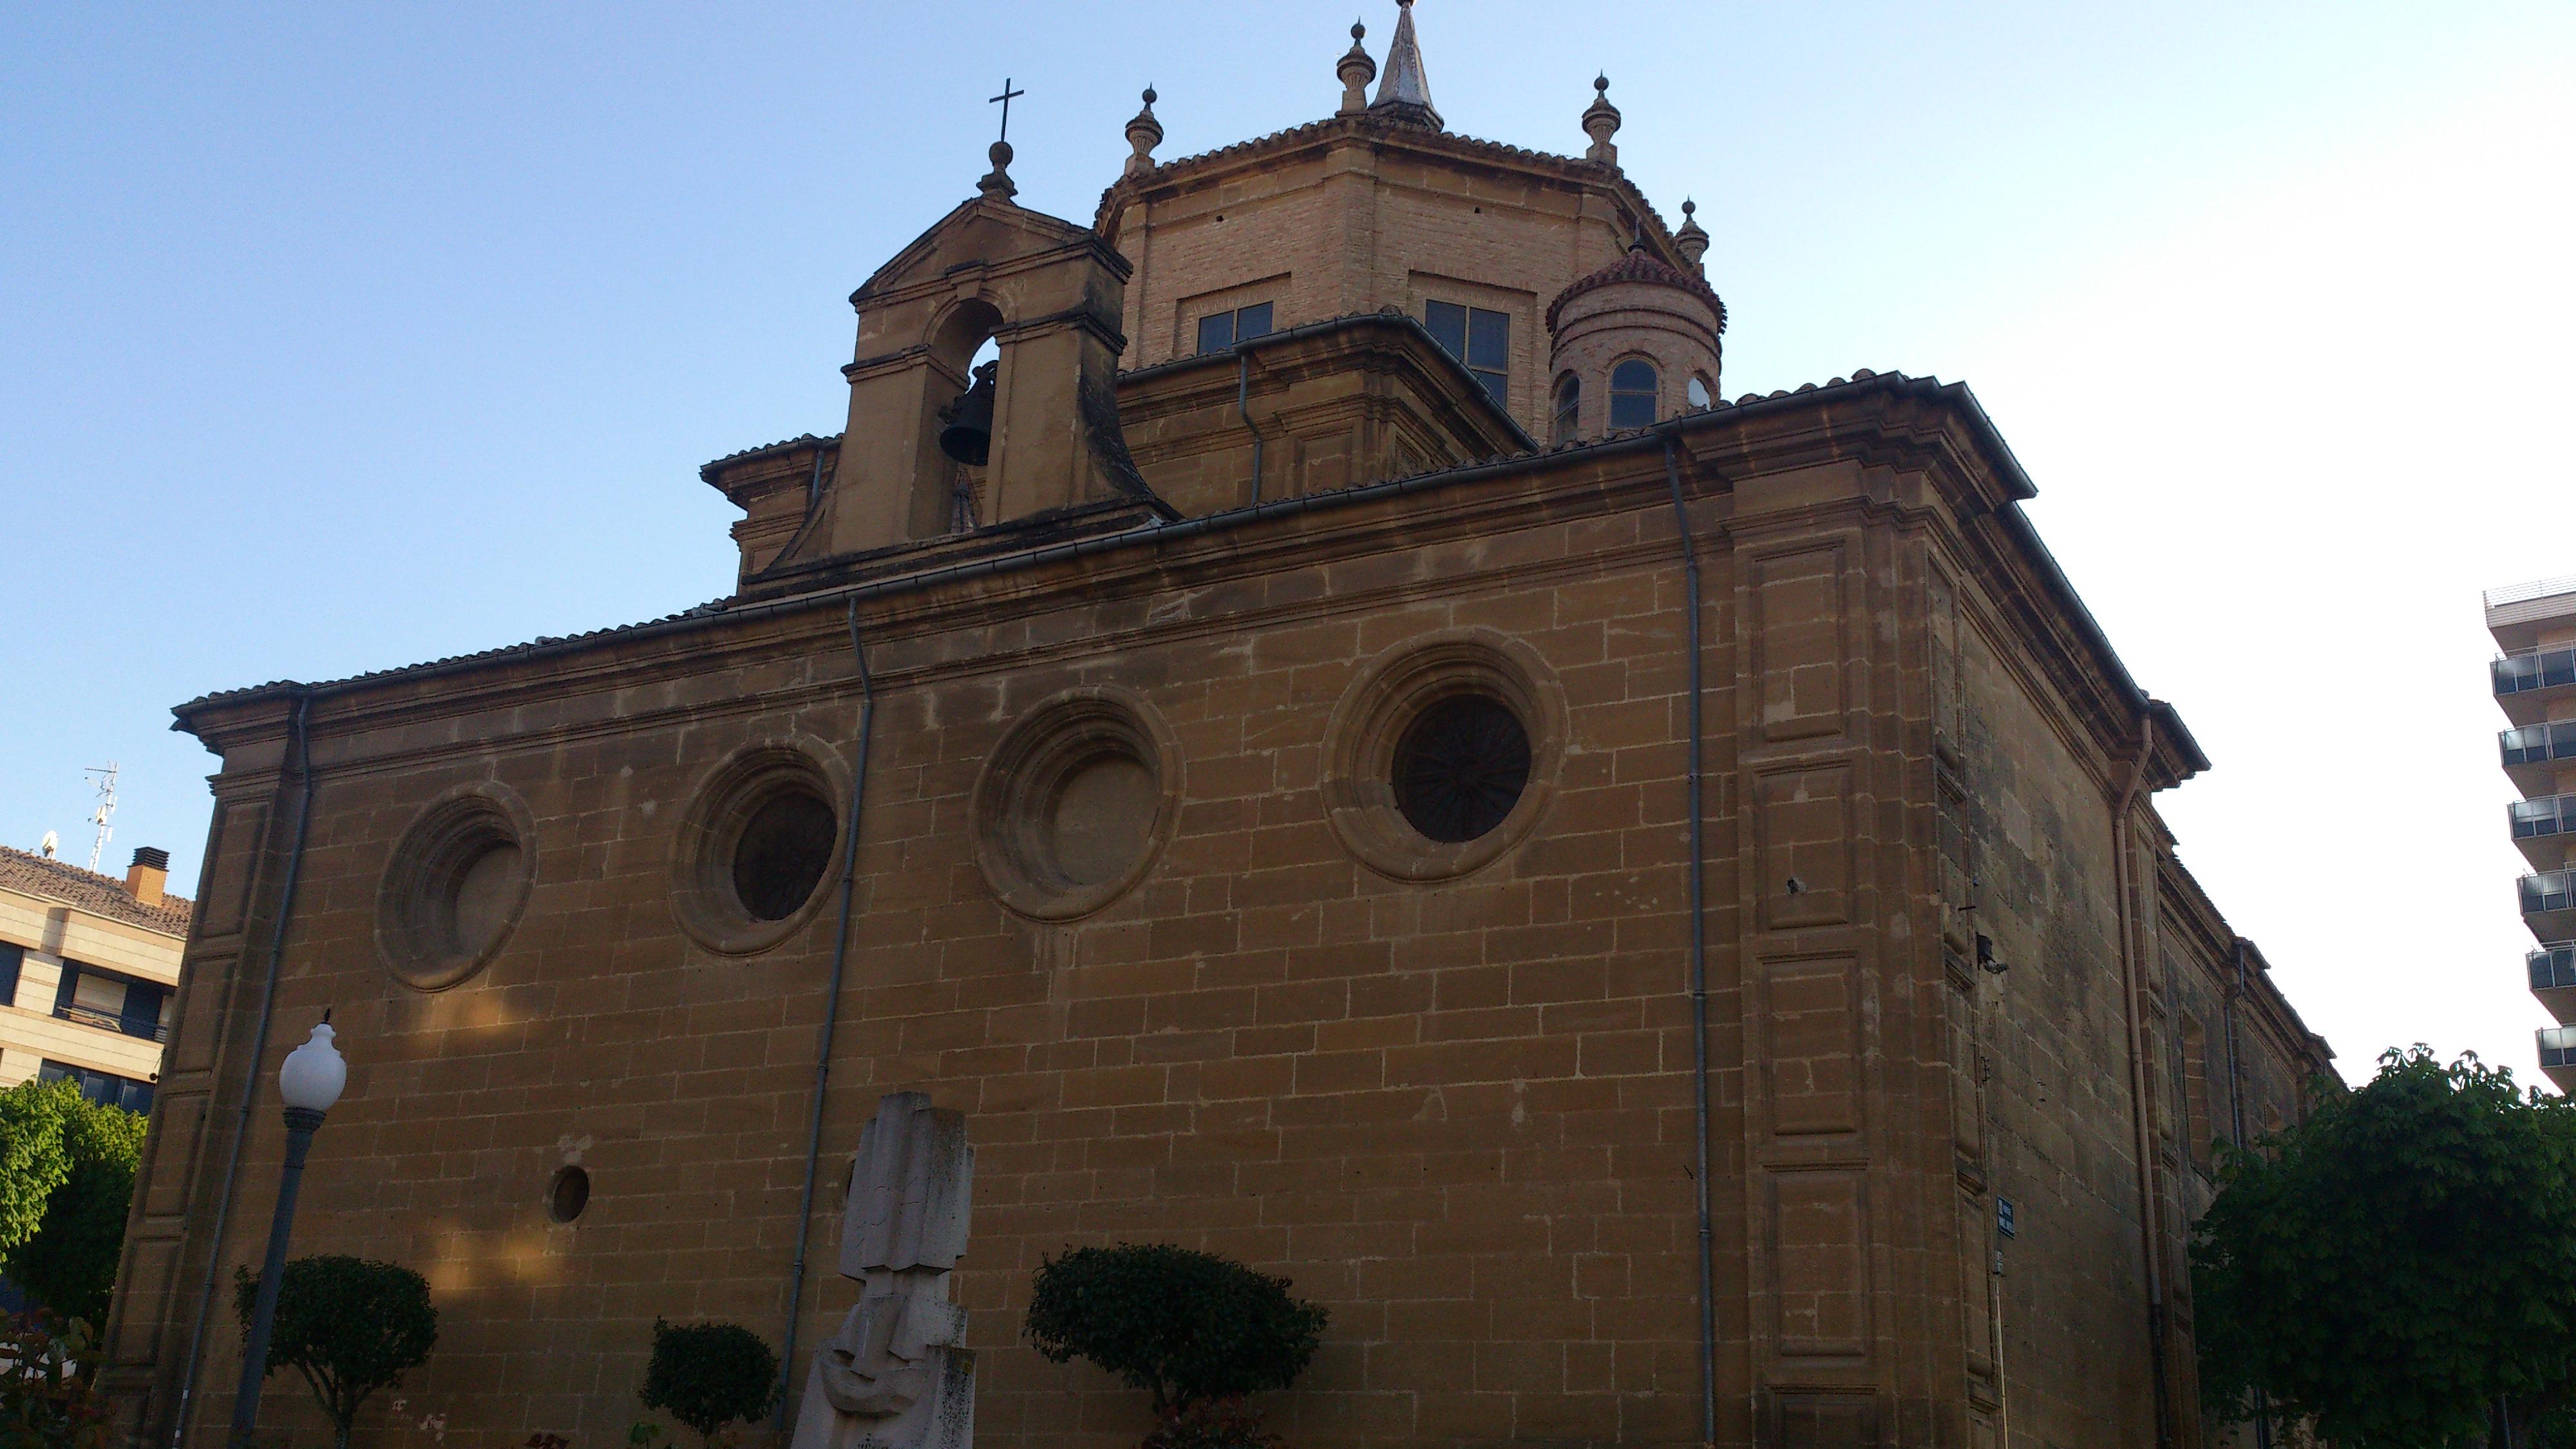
pixel 1005 98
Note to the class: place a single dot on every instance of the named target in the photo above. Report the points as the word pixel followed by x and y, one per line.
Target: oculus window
pixel 1476 337
pixel 1461 767
pixel 1219 331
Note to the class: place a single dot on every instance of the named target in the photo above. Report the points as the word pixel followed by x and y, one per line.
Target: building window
pixel 12 958
pixel 1219 332
pixel 110 1002
pixel 1701 394
pixel 1478 338
pixel 1632 394
pixel 1461 767
pixel 1569 402
pixel 105 1088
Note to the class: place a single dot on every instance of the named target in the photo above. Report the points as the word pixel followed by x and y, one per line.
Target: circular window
pixel 1441 757
pixel 568 1194
pixel 1460 768
pixel 753 851
pixel 1073 806
pixel 454 886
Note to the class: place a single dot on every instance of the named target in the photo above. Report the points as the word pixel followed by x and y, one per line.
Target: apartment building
pixel 2534 677
pixel 88 967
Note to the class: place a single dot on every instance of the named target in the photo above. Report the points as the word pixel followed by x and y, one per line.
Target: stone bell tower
pixel 1050 294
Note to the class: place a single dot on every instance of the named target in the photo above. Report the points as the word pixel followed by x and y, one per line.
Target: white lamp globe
pixel 314 1074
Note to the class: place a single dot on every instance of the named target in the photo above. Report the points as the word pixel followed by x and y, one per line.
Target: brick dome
pixel 1639 265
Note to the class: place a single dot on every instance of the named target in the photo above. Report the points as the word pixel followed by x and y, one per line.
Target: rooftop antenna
pixel 106 809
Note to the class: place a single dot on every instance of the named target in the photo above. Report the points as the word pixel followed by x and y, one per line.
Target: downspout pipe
pixel 831 1010
pixel 2132 974
pixel 301 728
pixel 1695 789
pixel 1243 406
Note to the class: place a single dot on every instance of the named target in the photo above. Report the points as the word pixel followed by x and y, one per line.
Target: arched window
pixel 1701 394
pixel 1632 394
pixel 1569 402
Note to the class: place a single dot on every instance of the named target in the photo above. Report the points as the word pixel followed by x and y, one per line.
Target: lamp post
pixel 309 1083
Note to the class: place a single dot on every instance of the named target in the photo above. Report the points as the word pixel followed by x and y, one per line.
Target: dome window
pixel 1569 402
pixel 1701 394
pixel 1632 394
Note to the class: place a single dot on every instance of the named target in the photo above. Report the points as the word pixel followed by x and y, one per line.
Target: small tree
pixel 33 1160
pixel 1186 1327
pixel 708 1375
pixel 349 1325
pixel 2400 1263
pixel 69 1265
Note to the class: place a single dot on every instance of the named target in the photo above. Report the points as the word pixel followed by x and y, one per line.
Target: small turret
pixel 1355 71
pixel 1692 240
pixel 1144 133
pixel 1601 122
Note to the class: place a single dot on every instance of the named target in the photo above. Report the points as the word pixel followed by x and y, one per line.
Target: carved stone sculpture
pixel 897 1374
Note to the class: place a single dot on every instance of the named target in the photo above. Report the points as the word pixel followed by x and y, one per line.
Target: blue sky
pixel 334 338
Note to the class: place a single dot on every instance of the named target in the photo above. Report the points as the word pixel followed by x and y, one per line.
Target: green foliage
pixel 349 1325
pixel 1181 1325
pixel 69 1265
pixel 33 1159
pixel 47 1395
pixel 2398 1262
pixel 707 1375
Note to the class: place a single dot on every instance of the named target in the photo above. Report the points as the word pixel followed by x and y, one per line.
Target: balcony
pixel 2549 904
pixel 2553 978
pixel 2558 1056
pixel 2525 683
pixel 2544 828
pixel 2533 753
pixel 142 1027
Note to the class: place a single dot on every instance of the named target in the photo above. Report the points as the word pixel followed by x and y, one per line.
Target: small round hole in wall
pixel 568 1194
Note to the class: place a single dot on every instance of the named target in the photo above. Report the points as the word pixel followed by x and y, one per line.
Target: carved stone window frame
pixel 1371 719
pixel 416 894
pixel 703 899
pixel 1021 778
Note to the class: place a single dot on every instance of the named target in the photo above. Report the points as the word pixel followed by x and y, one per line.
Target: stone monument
pixel 897 1373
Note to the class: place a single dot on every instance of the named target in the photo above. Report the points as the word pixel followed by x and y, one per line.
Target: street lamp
pixel 309 1083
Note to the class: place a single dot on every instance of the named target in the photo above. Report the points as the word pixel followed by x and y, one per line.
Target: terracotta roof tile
pixel 1639 265
pixel 87 890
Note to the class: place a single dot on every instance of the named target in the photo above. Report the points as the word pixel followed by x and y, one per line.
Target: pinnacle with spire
pixel 1144 133
pixel 1601 122
pixel 1404 94
pixel 1355 70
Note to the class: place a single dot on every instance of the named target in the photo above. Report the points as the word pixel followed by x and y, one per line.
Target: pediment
pixel 979 230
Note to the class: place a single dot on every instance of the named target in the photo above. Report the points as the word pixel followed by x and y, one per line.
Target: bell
pixel 968 438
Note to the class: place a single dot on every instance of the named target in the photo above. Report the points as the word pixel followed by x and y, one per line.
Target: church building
pixel 1338 746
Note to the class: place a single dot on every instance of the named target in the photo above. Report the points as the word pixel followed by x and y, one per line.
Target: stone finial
pixel 1144 133
pixel 897 1375
pixel 1356 70
pixel 998 184
pixel 1405 92
pixel 1601 122
pixel 1692 240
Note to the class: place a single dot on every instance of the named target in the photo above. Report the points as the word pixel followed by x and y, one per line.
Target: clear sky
pixel 340 337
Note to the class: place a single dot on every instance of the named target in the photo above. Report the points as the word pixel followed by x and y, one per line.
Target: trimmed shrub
pixel 1183 1326
pixel 69 1265
pixel 349 1325
pixel 708 1375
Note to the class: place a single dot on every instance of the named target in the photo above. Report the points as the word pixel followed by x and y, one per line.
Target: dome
pixel 1639 265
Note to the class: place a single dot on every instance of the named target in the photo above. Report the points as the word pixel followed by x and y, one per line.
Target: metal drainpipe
pixel 303 734
pixel 831 1012
pixel 2131 974
pixel 1243 405
pixel 1698 960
